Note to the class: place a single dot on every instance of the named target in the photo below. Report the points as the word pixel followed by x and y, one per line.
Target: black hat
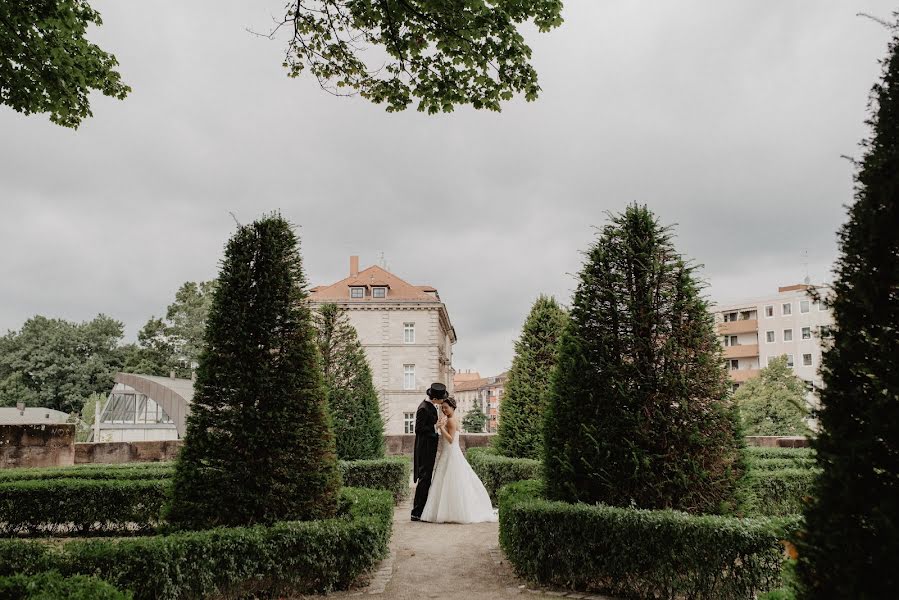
pixel 437 391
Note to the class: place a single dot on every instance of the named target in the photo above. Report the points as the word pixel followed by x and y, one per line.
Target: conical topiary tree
pixel 638 410
pixel 774 402
pixel 259 446
pixel 474 420
pixel 851 542
pixel 352 397
pixel 536 352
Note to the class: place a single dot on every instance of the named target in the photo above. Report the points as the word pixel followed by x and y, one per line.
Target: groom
pixel 426 437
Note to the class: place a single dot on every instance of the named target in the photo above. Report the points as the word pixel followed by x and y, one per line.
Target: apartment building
pixel 406 332
pixel 753 332
pixel 485 392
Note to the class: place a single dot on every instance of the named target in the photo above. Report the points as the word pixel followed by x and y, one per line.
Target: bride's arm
pixel 448 430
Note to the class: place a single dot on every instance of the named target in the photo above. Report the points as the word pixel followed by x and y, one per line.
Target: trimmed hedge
pixel 94 498
pixel 285 559
pixel 782 492
pixel 156 470
pixel 390 474
pixel 779 464
pixel 496 470
pixel 639 553
pixel 53 586
pixel 758 452
pixel 58 506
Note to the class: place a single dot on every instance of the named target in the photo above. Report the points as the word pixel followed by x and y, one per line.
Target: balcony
pixel 744 351
pixel 735 327
pixel 741 375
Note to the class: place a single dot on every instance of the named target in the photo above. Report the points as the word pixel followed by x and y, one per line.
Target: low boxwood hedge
pixel 156 470
pixel 284 559
pixel 60 506
pixel 754 452
pixel 639 553
pixel 780 492
pixel 53 586
pixel 391 474
pixel 778 464
pixel 496 470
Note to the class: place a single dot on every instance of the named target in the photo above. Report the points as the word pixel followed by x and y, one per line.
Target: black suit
pixel 425 453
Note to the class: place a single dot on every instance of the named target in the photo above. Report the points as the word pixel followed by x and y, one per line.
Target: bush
pixel 58 506
pixel 778 464
pixel 639 553
pixel 496 470
pixel 284 559
pixel 259 446
pixel 782 492
pixel 758 452
pixel 155 470
pixel 638 410
pixel 53 586
pixel 390 474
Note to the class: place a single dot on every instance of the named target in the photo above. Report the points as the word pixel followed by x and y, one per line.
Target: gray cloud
pixel 725 119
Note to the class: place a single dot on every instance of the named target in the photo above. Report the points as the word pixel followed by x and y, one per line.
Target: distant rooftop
pixel 392 287
pixel 31 415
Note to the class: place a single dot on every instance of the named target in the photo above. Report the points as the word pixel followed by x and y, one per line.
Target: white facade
pixel 755 331
pixel 406 333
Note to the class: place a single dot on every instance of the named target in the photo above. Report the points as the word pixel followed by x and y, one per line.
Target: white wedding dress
pixel 456 494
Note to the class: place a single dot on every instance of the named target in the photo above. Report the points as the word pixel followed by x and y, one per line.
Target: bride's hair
pixel 451 401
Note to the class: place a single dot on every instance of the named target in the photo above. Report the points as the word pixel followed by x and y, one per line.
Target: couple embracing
pixel 447 490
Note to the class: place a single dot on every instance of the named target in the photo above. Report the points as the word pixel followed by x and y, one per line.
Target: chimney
pixel 171 374
pixel 354 266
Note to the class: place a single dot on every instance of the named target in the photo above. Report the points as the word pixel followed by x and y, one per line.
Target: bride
pixel 456 494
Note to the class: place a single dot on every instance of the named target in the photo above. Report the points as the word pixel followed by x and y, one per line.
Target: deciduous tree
pixel 774 402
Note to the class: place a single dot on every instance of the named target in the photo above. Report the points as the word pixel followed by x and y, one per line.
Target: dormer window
pixel 357 292
pixel 379 292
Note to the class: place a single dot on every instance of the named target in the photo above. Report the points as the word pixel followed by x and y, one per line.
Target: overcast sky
pixel 727 118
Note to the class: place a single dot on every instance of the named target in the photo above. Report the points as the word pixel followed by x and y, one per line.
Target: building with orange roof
pixel 485 392
pixel 406 332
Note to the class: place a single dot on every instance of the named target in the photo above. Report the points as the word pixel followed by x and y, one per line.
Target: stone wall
pixel 42 445
pixel 125 452
pixel 404 444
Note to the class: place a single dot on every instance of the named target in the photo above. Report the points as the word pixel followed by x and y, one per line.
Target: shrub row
pixel 390 474
pixel 495 470
pixel 58 506
pixel 778 464
pixel 782 492
pixel 639 553
pixel 757 452
pixel 285 559
pixel 154 470
pixel 53 586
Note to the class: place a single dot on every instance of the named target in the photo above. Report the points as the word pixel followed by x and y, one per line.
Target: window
pixel 786 309
pixel 788 335
pixel 820 305
pixel 357 292
pixel 806 333
pixel 806 360
pixel 769 337
pixel 769 311
pixel 768 360
pixel 734 364
pixel 731 316
pixel 409 333
pixel 804 306
pixel 789 360
pixel 408 377
pixel 409 422
pixel 730 340
pixel 379 292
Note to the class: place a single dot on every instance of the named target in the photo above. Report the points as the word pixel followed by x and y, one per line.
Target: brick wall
pixel 125 452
